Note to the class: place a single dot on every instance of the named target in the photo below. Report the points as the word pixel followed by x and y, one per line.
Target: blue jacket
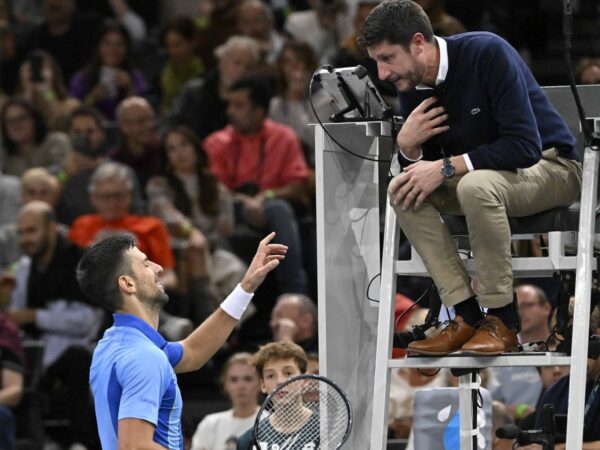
pixel 498 113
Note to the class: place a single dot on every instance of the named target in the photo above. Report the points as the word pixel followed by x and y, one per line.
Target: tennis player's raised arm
pixel 203 342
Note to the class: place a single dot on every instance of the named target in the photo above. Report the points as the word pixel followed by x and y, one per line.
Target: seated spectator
pixel 110 76
pixel 519 388
pixel 47 304
pixel 10 198
pixel 261 162
pixel 198 212
pixel 322 26
pixel 275 363
pixel 255 20
pixel 66 33
pixel 34 184
pixel 12 370
pixel 110 192
pixel 294 319
pixel 26 142
pixel 87 151
pixel 220 25
pixel 291 106
pixel 558 396
pixel 202 105
pixel 139 145
pixel 218 431
pixel 179 37
pixel 46 89
pixel 588 71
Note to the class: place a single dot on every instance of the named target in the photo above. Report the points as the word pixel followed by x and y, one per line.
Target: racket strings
pixel 302 413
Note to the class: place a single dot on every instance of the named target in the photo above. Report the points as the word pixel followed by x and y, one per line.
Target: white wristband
pixel 236 303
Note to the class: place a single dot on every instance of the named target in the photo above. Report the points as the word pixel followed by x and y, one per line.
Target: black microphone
pixel 514 432
pixel 360 72
pixel 523 437
pixel 548 422
pixel 509 431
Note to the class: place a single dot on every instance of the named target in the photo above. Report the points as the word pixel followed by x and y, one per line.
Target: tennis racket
pixel 306 412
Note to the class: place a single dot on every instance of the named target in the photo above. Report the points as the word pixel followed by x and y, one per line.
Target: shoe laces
pixel 487 325
pixel 449 324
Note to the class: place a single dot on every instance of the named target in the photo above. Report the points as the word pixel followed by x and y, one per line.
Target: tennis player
pixel 137 399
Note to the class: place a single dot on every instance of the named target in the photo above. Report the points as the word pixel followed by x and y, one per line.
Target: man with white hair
pixel 201 104
pixel 294 319
pixel 139 145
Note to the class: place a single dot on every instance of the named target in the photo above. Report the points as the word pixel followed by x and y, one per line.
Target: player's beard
pixel 161 299
pixel 156 299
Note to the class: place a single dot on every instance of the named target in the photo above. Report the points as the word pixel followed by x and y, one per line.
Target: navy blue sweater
pixel 498 113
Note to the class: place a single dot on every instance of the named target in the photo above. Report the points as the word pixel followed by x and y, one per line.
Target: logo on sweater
pixel 475 111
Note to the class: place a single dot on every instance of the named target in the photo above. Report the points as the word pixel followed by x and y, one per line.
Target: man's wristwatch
pixel 448 170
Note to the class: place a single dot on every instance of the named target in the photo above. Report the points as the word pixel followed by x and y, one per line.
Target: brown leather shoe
pixel 491 338
pixel 449 340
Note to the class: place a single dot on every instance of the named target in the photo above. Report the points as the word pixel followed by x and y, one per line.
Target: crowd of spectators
pixel 187 124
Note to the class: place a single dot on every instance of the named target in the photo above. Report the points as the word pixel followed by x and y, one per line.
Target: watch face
pixel 447 169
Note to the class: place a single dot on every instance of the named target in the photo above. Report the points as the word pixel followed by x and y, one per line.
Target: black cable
pixel 369 288
pixel 475 394
pixel 414 305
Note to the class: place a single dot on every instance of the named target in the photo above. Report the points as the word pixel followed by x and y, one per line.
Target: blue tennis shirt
pixel 132 376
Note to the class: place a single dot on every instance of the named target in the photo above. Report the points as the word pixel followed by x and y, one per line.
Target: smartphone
pixel 36 64
pixel 107 78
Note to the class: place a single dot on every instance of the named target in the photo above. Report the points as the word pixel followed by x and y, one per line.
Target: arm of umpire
pixel 202 344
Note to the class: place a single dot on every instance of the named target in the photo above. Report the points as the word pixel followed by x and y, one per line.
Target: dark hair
pixel 183 26
pixel 259 89
pixel 40 129
pixel 101 266
pixel 395 21
pixel 92 70
pixel 86 111
pixel 207 183
pixel 58 80
pixel 302 52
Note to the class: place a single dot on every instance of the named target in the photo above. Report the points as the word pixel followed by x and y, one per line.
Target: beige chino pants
pixel 486 198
